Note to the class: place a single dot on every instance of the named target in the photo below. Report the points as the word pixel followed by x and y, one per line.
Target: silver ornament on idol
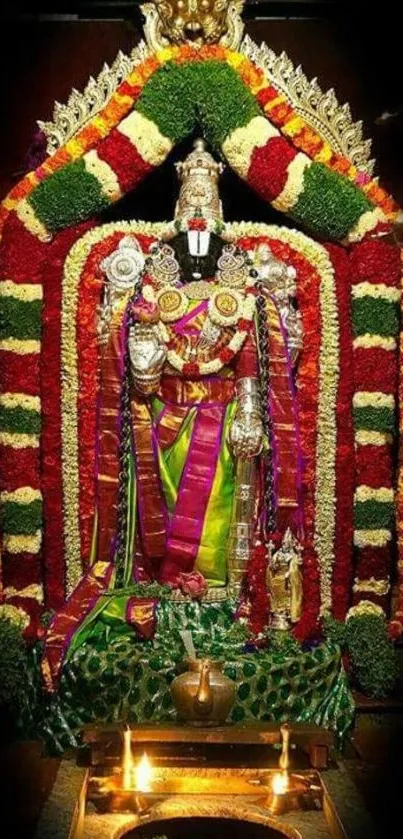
pixel 124 266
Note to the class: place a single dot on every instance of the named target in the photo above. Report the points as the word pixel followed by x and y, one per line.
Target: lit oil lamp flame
pixel 143 775
pixel 127 762
pixel 280 783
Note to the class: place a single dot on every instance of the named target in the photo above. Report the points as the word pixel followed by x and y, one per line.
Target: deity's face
pixel 193 21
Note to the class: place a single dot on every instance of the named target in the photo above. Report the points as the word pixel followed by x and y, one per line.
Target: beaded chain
pixel 124 451
pixel 263 348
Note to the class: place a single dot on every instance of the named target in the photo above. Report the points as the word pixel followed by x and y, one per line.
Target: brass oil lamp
pixel 290 790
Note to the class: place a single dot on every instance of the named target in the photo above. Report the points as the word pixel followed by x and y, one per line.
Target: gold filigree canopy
pixel 214 21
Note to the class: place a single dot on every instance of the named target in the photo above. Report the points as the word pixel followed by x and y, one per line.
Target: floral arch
pixel 288 164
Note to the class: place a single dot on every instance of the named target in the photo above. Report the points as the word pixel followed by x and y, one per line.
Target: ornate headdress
pixel 198 194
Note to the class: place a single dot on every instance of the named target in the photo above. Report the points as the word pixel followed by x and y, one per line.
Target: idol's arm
pixel 246 433
pixel 246 438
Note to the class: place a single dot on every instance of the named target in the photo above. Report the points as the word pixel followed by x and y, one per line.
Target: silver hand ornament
pixel 246 431
pixel 147 358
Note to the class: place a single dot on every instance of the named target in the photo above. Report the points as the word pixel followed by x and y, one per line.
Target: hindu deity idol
pixel 187 488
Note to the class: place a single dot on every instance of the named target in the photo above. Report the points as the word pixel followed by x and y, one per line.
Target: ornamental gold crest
pixel 193 22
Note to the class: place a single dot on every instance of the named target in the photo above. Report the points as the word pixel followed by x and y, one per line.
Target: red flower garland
pixel 23 572
pixel 267 173
pixel 21 369
pixel 18 470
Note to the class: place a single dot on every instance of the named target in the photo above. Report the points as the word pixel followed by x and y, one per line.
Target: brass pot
pixel 203 695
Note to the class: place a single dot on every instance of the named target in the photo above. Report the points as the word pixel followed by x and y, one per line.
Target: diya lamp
pixel 136 781
pixel 129 791
pixel 290 790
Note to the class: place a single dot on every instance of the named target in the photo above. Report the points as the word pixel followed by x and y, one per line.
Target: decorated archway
pixel 253 126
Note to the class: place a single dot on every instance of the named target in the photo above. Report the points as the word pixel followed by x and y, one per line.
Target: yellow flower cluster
pixel 377 290
pixel 22 544
pixel 27 216
pixel 364 608
pixel 241 143
pixel 15 614
pixel 366 493
pixel 369 342
pixel 294 184
pixel 19 441
pixel 22 495
pixel 372 538
pixel 373 399
pixel 34 591
pixel 367 222
pixel 21 291
pixel 20 400
pixel 372 586
pixel 372 438
pixel 21 347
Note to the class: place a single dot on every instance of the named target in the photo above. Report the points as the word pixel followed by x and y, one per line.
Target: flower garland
pixel 396 625
pixel 345 471
pixel 281 114
pixel 375 269
pixel 311 192
pixel 51 437
pixel 20 419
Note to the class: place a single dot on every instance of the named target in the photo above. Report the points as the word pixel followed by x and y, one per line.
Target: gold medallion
pixel 172 303
pixel 225 306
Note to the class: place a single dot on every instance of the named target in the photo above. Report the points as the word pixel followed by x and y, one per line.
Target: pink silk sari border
pixel 178 327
